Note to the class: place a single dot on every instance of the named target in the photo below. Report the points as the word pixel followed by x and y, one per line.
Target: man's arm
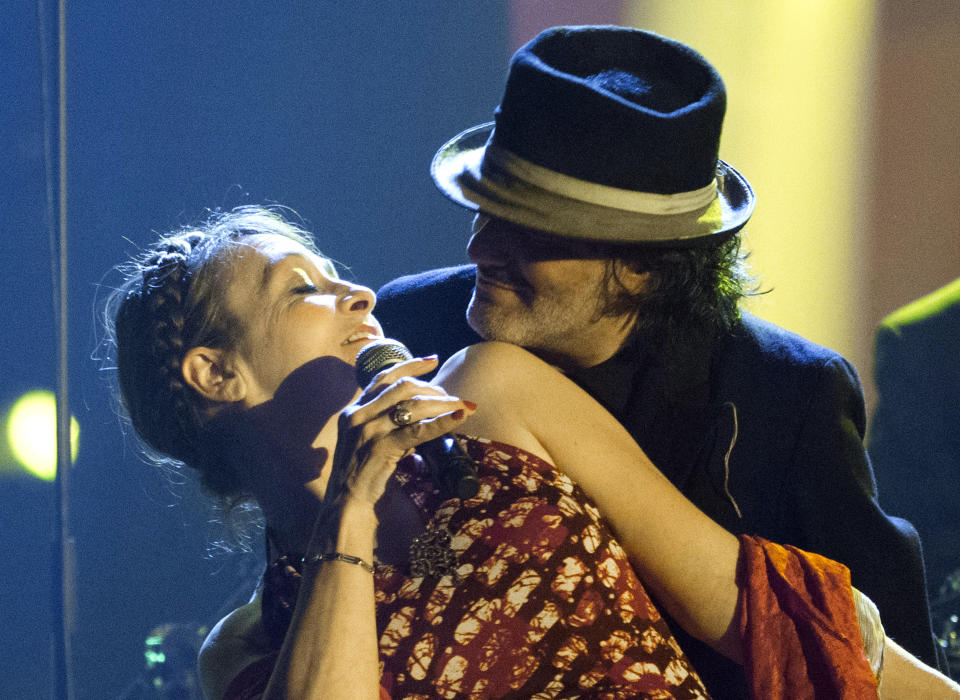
pixel 836 512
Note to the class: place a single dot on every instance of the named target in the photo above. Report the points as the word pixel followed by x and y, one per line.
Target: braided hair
pixel 172 299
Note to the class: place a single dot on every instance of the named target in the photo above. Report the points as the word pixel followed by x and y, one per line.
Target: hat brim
pixel 460 172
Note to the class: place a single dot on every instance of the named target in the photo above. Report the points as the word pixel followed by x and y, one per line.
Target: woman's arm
pixel 332 640
pixel 330 649
pixel 689 561
pixel 686 559
pixel 905 676
pixel 236 642
pixel 331 646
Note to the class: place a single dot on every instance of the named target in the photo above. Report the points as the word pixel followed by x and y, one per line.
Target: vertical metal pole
pixel 64 580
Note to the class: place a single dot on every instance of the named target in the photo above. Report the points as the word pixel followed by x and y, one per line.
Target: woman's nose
pixel 356 298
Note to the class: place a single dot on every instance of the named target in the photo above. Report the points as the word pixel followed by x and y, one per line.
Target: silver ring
pixel 401 415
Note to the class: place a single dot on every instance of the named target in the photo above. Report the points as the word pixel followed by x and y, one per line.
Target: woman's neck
pixel 288 478
pixel 290 534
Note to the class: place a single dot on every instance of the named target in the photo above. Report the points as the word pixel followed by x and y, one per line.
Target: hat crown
pixel 616 106
pixel 604 133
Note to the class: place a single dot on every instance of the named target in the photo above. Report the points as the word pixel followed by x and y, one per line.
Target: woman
pixel 235 348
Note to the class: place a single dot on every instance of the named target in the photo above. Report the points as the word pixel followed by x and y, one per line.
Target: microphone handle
pixel 453 471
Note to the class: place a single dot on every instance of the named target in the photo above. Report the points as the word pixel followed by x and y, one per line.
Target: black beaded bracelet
pixel 337 556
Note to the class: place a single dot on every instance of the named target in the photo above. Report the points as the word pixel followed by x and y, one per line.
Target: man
pixel 914 438
pixel 607 242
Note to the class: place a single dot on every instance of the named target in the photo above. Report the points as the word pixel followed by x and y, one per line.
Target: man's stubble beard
pixel 550 325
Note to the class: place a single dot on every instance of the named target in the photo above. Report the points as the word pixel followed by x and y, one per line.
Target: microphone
pixel 452 469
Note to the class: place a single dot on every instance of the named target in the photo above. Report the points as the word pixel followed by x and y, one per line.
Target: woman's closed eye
pixel 307 285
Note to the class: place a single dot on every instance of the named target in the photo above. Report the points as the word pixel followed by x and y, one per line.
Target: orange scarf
pixel 798 625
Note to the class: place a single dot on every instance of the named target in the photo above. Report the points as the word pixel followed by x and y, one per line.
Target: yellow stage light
pixel 798 119
pixel 32 434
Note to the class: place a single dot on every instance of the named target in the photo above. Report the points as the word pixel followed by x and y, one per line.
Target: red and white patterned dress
pixel 545 604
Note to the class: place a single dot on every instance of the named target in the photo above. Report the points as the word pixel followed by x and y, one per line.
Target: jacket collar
pixel 673 415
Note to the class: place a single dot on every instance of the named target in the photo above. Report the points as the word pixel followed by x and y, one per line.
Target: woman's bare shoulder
pixel 235 642
pixel 510 386
pixel 492 361
pixel 525 401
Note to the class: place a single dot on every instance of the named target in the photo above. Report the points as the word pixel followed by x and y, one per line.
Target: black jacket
pixel 797 473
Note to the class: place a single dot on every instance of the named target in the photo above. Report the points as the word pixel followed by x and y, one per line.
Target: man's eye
pixel 542 249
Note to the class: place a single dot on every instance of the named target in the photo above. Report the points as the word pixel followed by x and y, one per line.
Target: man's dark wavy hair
pixel 692 296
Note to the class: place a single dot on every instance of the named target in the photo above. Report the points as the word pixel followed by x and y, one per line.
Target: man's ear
pixel 209 372
pixel 632 281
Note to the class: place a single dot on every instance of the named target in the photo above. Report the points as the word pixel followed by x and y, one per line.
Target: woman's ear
pixel 209 372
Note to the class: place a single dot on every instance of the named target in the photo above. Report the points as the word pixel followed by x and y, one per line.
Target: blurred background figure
pixel 915 441
pixel 169 664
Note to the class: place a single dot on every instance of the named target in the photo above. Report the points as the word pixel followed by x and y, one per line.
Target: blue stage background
pixel 332 109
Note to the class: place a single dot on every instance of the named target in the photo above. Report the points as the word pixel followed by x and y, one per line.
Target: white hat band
pixel 593 193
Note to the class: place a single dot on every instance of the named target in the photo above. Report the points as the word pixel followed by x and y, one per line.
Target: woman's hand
pixel 377 435
pixel 336 599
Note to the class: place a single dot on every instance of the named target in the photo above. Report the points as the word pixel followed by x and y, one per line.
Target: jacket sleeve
pixel 427 311
pixel 837 513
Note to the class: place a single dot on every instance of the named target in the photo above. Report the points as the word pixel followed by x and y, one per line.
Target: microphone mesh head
pixel 377 356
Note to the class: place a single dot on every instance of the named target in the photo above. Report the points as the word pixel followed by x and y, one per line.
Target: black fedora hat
pixel 603 133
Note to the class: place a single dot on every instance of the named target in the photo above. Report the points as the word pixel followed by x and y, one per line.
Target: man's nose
pixel 488 246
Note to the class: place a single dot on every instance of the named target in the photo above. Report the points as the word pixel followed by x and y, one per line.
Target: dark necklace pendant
pixel 432 555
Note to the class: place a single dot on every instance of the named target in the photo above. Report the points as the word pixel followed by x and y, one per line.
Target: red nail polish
pixel 470 404
pixel 458 414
